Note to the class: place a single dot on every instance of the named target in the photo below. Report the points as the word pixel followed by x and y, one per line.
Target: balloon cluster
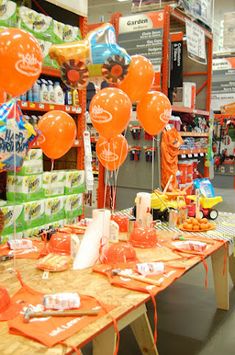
pixel 110 111
pixel 20 66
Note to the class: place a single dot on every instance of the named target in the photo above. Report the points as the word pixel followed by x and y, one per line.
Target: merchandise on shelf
pixel 39 25
pixel 53 183
pixel 74 181
pixel 24 188
pixel 65 33
pixel 73 205
pixel 12 212
pixel 34 213
pixel 54 209
pixel 8 14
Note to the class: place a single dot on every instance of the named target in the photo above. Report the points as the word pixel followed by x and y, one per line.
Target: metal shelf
pixel 51 71
pixel 190 110
pixel 193 134
pixel 44 107
pixel 192 153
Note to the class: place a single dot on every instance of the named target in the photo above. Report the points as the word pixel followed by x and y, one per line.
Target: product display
pixel 152 211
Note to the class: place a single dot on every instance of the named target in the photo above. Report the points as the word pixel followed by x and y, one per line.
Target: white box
pixel 189 94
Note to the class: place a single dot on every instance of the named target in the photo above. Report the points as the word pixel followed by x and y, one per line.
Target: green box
pixel 38 24
pixel 12 213
pixel 73 205
pixel 30 167
pixel 34 214
pixel 8 13
pixel 31 232
pixel 53 183
pixel 24 188
pixel 65 33
pixel 34 154
pixel 74 182
pixel 54 209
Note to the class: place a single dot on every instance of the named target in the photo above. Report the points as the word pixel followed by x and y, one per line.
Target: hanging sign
pixel 143 34
pixel 196 42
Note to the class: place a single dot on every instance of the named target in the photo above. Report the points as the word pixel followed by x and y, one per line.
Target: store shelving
pixel 194 134
pixel 192 152
pixel 190 110
pixel 51 71
pixel 45 107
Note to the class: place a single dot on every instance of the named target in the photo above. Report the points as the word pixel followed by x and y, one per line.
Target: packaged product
pixel 65 33
pixel 34 154
pixel 24 188
pixel 54 209
pixel 31 232
pixel 34 213
pixel 53 183
pixel 30 167
pixel 45 46
pixel 13 213
pixel 36 23
pixel 8 13
pixel 73 205
pixel 5 238
pixel 74 181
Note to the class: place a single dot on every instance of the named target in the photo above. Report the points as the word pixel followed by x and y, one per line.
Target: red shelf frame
pixel 190 110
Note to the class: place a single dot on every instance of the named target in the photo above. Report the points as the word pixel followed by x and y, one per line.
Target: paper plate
pixel 212 227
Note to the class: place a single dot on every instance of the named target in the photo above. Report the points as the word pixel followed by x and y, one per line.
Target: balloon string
pixel 14 185
pixel 52 164
pixel 153 163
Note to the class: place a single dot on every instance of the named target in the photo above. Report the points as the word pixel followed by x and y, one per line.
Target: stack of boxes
pixel 38 200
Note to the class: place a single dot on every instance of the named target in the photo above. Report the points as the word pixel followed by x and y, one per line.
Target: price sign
pixel 190 155
pixel 41 106
pixel 196 42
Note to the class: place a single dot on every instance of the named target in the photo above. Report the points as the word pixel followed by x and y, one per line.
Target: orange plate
pixel 213 226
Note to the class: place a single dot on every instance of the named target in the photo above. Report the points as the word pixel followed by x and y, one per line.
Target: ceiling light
pixel 122 0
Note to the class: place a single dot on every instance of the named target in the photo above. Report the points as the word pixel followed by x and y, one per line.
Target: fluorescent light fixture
pixel 122 0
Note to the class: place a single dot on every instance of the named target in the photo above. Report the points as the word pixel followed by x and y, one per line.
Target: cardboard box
pixel 74 182
pixel 34 214
pixel 189 95
pixel 24 188
pixel 54 209
pixel 13 213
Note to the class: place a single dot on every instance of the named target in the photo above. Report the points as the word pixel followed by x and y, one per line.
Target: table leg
pixel 143 334
pixel 221 279
pixel 232 268
pixel 105 342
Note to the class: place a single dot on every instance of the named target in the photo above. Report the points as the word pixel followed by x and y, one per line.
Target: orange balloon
pixel 110 111
pixel 113 152
pixel 20 61
pixel 58 133
pixel 3 96
pixel 154 112
pixel 139 78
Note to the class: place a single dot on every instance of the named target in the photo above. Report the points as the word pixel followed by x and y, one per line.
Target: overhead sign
pixel 196 42
pixel 223 83
pixel 79 7
pixel 142 34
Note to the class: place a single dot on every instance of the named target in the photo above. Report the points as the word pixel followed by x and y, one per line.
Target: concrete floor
pixel 188 321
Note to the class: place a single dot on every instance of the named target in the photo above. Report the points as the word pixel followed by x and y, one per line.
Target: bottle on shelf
pixel 23 97
pixel 44 92
pixel 51 92
pixel 36 91
pixel 75 98
pixel 68 97
pixel 30 95
pixel 59 94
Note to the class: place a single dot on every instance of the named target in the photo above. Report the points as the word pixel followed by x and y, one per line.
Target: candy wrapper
pixel 15 134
